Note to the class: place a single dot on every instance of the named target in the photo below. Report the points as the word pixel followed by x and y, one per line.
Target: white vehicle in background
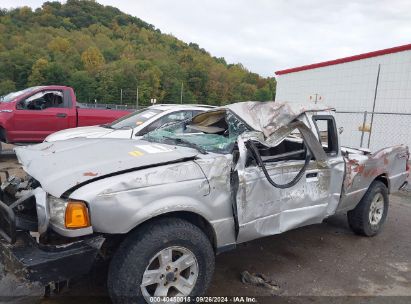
pixel 135 124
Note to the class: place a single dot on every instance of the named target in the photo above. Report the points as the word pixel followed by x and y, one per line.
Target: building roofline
pixel 396 49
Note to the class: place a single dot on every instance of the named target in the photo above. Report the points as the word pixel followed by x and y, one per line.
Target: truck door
pixel 41 114
pixel 284 182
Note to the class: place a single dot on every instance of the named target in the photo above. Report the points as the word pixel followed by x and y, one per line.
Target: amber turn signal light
pixel 76 215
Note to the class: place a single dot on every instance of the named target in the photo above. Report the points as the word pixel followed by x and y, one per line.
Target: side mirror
pixel 340 130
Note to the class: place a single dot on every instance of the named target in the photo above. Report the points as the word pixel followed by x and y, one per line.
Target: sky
pixel 270 35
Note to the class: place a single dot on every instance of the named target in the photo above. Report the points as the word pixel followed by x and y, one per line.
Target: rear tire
pixel 173 256
pixel 368 217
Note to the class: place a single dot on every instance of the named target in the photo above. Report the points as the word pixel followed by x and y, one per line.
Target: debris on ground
pixel 259 280
pixel 13 184
pixel 15 291
pixel 407 188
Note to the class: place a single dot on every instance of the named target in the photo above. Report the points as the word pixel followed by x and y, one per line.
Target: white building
pixel 377 82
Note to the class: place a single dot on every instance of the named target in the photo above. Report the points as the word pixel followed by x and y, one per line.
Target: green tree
pixel 38 72
pixel 58 45
pixel 84 86
pixel 7 86
pixel 55 73
pixel 262 94
pixel 92 59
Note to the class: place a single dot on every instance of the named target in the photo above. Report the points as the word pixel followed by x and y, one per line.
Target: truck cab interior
pixel 42 100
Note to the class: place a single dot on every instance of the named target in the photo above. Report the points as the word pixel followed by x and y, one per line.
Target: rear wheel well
pixel 384 179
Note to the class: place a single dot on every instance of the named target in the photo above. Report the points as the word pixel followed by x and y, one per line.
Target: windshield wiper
pixel 107 126
pixel 188 143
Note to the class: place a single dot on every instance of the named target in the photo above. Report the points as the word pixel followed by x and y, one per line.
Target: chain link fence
pixel 374 130
pixel 122 99
pixel 110 106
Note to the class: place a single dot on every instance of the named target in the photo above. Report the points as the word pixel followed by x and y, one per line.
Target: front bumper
pixel 48 263
pixel 22 255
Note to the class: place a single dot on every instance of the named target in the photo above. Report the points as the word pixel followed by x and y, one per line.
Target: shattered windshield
pixel 134 119
pixel 13 95
pixel 215 131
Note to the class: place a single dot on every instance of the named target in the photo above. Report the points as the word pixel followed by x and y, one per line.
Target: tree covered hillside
pixel 99 50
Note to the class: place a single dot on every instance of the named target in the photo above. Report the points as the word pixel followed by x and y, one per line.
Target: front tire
pixel 168 257
pixel 368 217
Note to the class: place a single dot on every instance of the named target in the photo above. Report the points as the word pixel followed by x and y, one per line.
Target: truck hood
pixel 89 132
pixel 62 165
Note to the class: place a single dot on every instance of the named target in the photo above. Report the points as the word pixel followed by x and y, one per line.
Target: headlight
pixel 71 214
pixel 57 211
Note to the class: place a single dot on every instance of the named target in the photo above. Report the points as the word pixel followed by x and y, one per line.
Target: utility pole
pixel 181 94
pixel 137 100
pixel 121 96
pixel 373 106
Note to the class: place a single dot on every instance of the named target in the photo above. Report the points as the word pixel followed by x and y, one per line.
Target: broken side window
pixel 290 147
pixel 327 133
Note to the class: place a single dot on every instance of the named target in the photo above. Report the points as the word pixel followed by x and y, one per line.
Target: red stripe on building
pixel 396 49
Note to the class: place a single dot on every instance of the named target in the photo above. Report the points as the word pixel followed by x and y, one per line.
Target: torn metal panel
pixel 266 210
pixel 269 116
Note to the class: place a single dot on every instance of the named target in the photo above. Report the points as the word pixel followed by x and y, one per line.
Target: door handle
pixel 311 175
pixel 62 115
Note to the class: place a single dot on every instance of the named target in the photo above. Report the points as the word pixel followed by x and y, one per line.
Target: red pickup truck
pixel 28 116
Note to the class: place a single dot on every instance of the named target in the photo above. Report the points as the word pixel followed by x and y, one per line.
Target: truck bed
pixel 98 116
pixel 390 165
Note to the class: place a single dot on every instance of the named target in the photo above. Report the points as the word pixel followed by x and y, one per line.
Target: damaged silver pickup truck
pixel 159 209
